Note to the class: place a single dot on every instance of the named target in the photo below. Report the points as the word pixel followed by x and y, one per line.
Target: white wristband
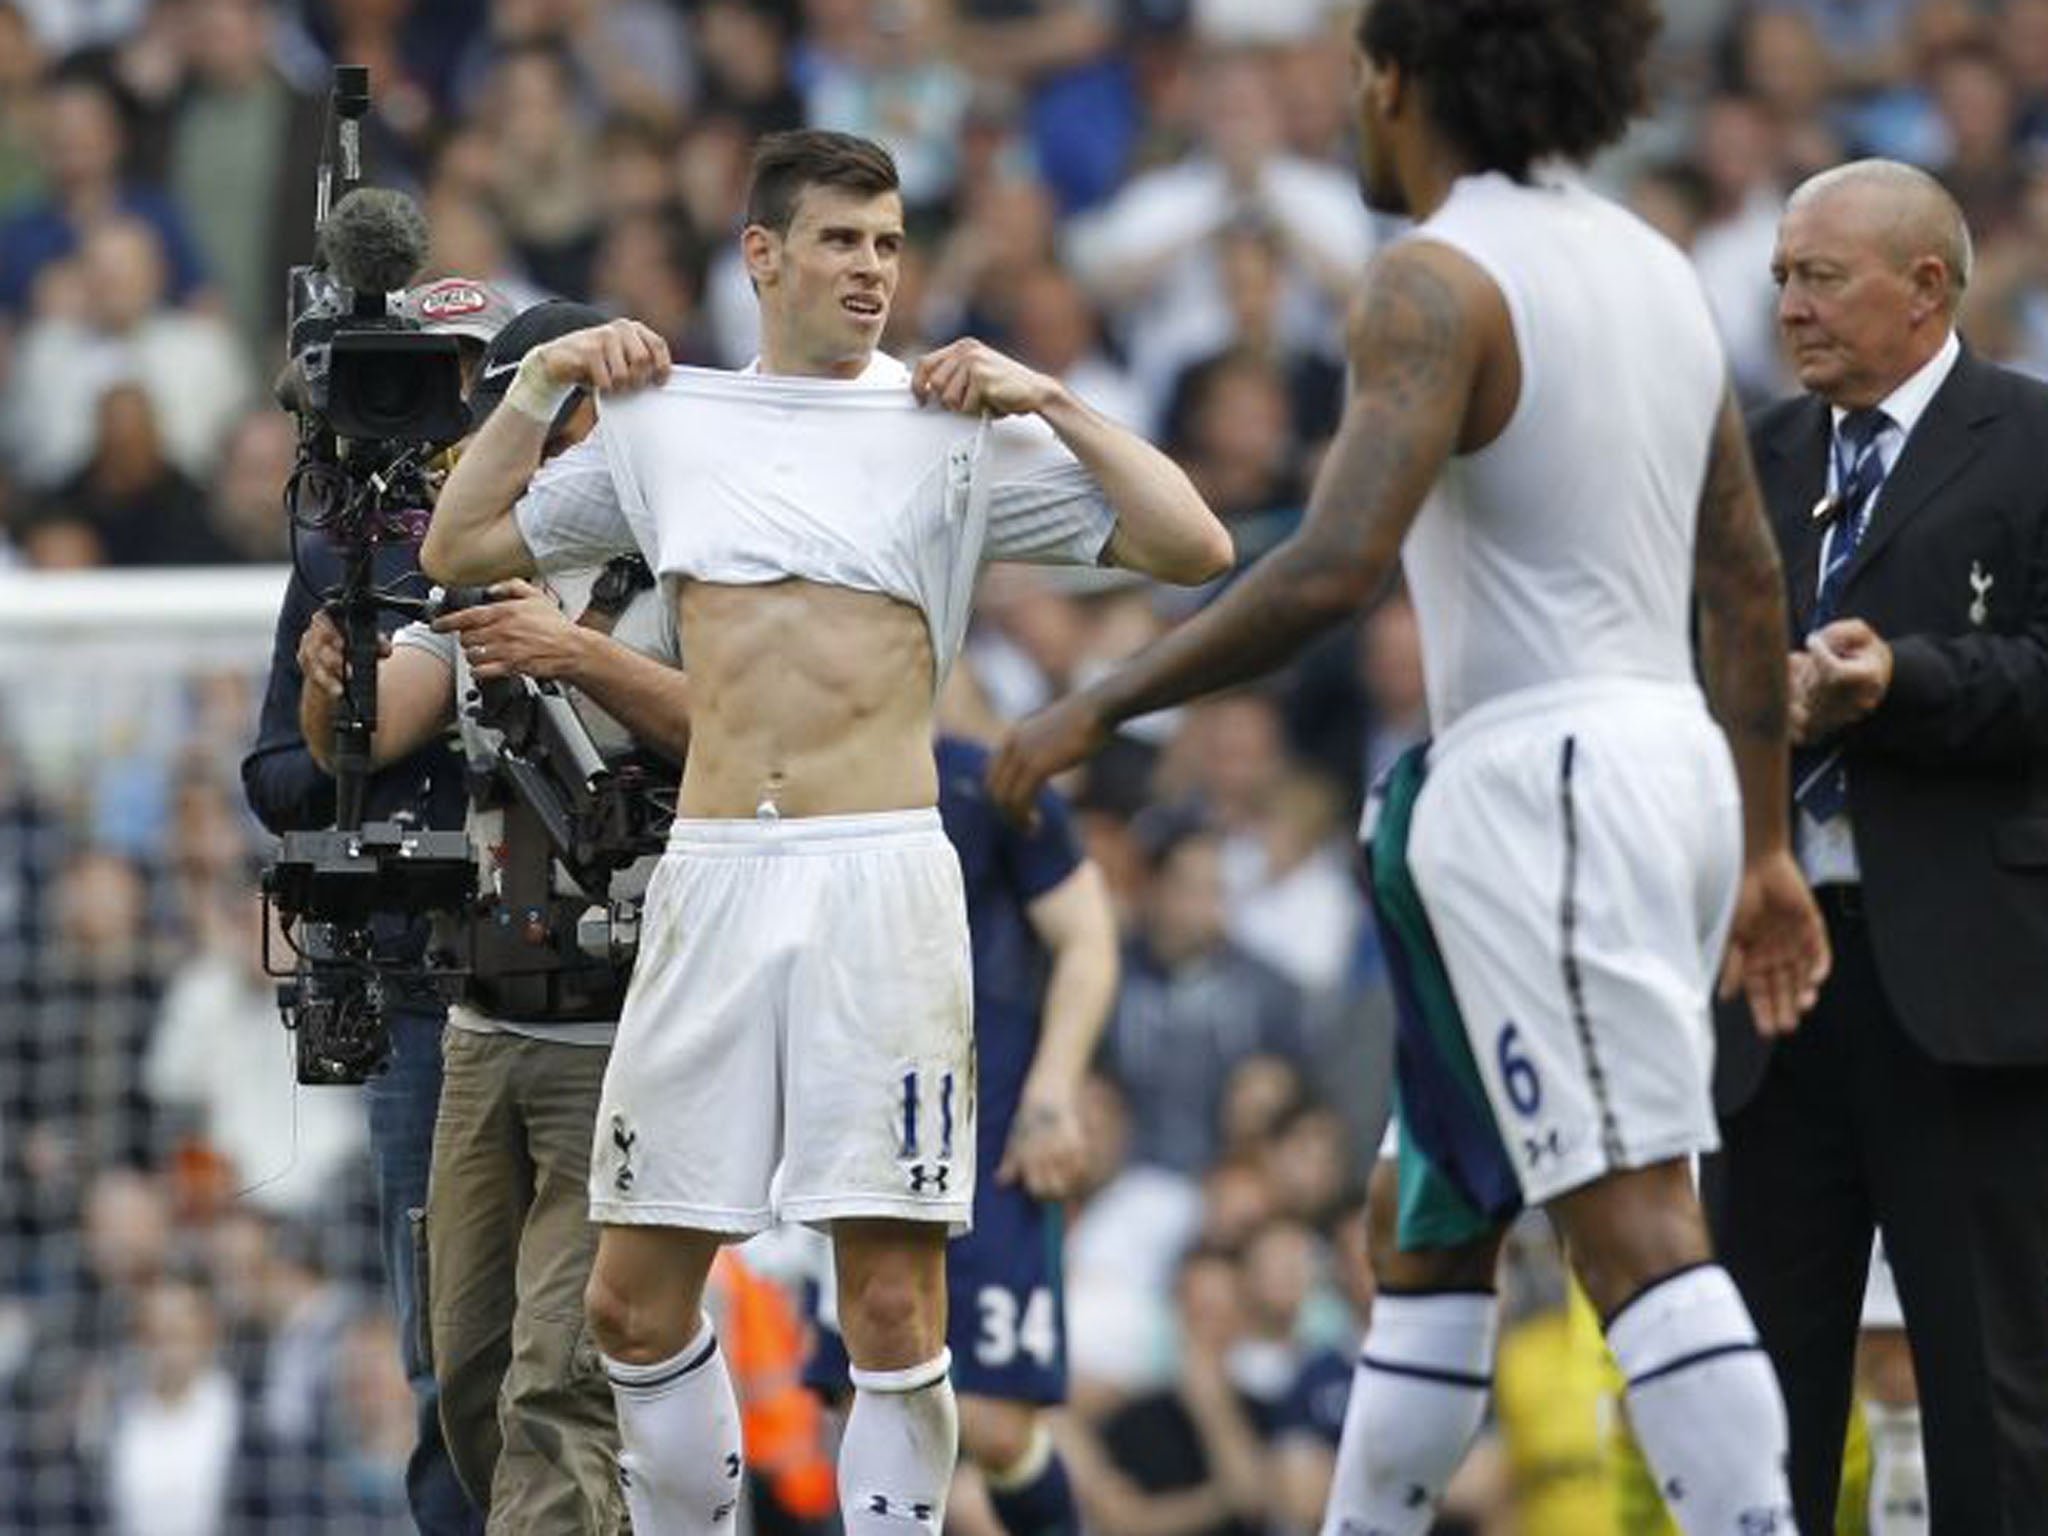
pixel 533 394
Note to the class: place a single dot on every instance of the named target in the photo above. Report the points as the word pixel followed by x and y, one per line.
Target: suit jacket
pixel 1948 777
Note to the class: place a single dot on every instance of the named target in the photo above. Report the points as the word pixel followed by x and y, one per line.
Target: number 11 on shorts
pixel 912 1107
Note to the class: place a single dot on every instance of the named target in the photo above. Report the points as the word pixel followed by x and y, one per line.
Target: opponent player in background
pixel 1540 426
pixel 1045 973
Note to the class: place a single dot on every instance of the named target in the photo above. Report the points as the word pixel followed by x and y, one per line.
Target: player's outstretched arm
pixel 1163 529
pixel 1777 946
pixel 1422 325
pixel 474 536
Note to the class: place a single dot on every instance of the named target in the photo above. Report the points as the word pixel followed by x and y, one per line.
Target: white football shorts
pixel 797 1043
pixel 1578 848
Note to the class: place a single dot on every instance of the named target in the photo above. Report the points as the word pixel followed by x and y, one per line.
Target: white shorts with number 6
pixel 1578 848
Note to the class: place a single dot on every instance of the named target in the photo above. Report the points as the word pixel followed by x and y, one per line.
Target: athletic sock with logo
pixel 1705 1405
pixel 896 1456
pixel 680 1462
pixel 1417 1400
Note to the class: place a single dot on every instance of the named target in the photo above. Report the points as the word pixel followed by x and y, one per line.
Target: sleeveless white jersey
pixel 1563 550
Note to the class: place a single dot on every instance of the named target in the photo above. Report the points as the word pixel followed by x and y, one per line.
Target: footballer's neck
pixel 782 357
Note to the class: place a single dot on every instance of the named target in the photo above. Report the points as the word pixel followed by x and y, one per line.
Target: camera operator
pixel 525 1407
pixel 290 791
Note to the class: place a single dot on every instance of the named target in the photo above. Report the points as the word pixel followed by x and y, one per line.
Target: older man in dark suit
pixel 1909 488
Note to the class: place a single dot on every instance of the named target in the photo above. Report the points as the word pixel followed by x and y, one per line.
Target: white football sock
pixel 1417 1399
pixel 1704 1404
pixel 679 1433
pixel 897 1453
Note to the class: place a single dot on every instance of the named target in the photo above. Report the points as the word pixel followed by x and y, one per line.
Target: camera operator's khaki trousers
pixel 525 1407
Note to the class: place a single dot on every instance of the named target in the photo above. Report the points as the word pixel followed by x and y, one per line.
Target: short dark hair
pixel 1511 82
pixel 785 164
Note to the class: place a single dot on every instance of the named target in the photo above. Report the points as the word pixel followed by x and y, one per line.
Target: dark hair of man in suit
pixel 1512 82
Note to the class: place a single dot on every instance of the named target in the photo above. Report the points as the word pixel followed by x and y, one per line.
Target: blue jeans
pixel 403 1101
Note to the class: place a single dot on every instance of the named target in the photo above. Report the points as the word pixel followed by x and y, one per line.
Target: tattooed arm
pixel 1777 945
pixel 1426 324
pixel 1743 629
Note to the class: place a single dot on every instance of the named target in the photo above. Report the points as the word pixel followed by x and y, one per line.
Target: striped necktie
pixel 1819 782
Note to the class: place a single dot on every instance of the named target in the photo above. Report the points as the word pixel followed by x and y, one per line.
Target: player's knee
pixel 628 1327
pixel 890 1319
pixel 1632 1229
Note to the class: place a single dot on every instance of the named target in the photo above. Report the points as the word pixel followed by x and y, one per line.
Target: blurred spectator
pixel 1294 900
pixel 86 1023
pixel 243 141
pixel 220 1060
pixel 1788 73
pixel 627 56
pixel 1185 1460
pixel 1739 155
pixel 1055 329
pixel 648 268
pixel 245 500
pixel 1254 265
pixel 376 1419
pixel 298 1447
pixel 1980 111
pixel 1079 112
pixel 633 169
pixel 139 506
pixel 1191 1007
pixel 1232 428
pixel 21 66
pixel 1003 234
pixel 174 1427
pixel 1866 38
pixel 743 47
pixel 1150 255
pixel 64 26
pixel 376 34
pixel 888 80
pixel 544 182
pixel 2023 46
pixel 189 364
pixel 84 142
pixel 1131 1221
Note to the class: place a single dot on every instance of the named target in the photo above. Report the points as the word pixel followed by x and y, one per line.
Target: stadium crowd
pixel 1153 199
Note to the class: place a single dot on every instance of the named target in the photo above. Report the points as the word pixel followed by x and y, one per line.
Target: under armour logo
pixel 1980 585
pixel 929 1176
pixel 623 1139
pixel 1537 1148
pixel 732 1463
pixel 878 1504
pixel 1765 1522
pixel 1416 1497
pixel 1674 1490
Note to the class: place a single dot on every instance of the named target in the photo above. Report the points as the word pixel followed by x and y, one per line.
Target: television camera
pixel 377 400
